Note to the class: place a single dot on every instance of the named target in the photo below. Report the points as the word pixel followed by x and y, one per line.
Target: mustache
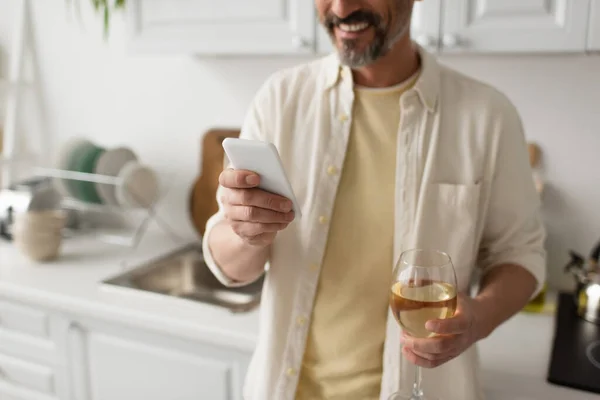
pixel 359 16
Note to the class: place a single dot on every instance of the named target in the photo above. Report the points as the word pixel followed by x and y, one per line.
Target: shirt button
pixel 301 321
pixel 331 170
pixel 322 220
pixel 314 267
pixel 343 117
pixel 291 372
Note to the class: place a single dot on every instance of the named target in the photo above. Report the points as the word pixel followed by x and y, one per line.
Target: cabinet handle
pixel 79 367
pixel 426 41
pixel 299 42
pixel 451 41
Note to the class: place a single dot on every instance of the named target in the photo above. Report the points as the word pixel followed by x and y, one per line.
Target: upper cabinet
pixel 425 28
pixel 222 27
pixel 512 26
pixel 594 36
pixel 283 27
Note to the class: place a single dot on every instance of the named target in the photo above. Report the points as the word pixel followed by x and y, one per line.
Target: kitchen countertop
pixel 515 361
pixel 511 369
pixel 72 284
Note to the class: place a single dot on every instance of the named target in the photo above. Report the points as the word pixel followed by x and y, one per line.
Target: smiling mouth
pixel 353 28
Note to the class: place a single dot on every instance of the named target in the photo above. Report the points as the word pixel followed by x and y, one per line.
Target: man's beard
pixel 384 38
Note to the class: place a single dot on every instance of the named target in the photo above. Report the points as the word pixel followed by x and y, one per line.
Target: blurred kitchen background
pixel 165 72
pixel 159 89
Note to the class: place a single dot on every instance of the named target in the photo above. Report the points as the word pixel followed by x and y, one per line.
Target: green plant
pixel 106 7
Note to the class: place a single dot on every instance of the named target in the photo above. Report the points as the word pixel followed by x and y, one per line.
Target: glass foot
pixel 408 395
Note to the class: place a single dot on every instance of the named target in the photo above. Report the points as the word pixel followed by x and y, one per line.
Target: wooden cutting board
pixel 203 201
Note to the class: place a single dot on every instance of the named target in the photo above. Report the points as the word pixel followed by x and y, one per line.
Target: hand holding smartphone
pixel 263 159
pixel 258 200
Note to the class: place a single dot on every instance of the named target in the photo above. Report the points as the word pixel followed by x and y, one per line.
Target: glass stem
pixel 417 391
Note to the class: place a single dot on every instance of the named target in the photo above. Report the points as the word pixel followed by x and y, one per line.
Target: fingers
pixel 252 230
pixel 449 326
pixel 257 198
pixel 434 346
pixel 424 362
pixel 256 214
pixel 238 179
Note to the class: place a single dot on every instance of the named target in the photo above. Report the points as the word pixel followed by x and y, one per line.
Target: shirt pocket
pixel 447 221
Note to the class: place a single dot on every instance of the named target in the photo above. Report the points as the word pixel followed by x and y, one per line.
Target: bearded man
pixel 387 150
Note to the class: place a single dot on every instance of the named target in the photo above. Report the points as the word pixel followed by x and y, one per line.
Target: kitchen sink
pixel 184 274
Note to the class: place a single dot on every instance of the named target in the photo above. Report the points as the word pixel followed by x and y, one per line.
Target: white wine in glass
pixel 423 289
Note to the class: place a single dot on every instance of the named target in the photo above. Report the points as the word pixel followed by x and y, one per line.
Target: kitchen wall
pixel 161 105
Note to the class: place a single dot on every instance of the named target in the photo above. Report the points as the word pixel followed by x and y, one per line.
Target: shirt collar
pixel 427 85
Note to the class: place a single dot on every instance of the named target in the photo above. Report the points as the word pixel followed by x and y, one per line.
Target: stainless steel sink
pixel 184 274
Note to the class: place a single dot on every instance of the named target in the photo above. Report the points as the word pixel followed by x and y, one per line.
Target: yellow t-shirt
pixel 343 357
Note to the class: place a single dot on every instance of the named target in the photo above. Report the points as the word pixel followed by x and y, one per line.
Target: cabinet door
pixel 133 365
pixel 594 32
pixel 426 23
pixel 222 27
pixel 515 25
pixel 425 27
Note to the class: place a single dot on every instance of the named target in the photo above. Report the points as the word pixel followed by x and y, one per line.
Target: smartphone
pixel 262 158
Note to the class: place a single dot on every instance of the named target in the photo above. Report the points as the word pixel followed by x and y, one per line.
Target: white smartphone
pixel 262 158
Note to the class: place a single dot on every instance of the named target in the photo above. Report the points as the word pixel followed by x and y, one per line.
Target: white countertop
pixel 512 369
pixel 72 284
pixel 515 361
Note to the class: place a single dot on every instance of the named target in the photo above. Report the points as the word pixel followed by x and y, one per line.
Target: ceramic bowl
pixel 38 235
pixel 38 248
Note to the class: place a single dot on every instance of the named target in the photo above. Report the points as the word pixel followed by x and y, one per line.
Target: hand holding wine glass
pixel 451 337
pixel 424 289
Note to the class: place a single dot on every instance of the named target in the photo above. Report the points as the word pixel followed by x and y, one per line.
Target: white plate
pixel 140 186
pixel 110 163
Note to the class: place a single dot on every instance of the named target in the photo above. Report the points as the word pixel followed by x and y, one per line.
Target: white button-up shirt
pixel 463 185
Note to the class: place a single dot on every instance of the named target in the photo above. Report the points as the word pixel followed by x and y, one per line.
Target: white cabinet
pixel 49 356
pixel 118 364
pixel 276 27
pixel 594 33
pixel 483 26
pixel 222 27
pixel 324 45
pixel 31 363
pixel 425 28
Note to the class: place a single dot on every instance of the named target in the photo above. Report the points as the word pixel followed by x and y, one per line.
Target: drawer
pixel 23 319
pixel 21 374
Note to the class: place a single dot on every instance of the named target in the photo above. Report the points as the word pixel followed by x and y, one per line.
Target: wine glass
pixel 423 289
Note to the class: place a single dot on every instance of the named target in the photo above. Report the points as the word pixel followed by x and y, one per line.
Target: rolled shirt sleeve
pixel 513 232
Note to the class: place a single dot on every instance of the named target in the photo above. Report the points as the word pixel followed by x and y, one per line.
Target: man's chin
pixel 354 60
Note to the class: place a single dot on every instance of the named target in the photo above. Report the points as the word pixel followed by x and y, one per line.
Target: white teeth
pixel 353 27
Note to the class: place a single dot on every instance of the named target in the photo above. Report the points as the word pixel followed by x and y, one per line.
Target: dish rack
pixel 150 213
pixel 78 207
